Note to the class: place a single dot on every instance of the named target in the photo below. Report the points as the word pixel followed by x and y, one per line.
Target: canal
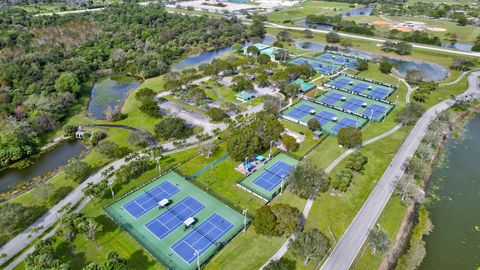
pixel 48 161
pixel 454 242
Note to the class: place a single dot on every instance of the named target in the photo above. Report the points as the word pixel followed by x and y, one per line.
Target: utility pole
pixel 245 219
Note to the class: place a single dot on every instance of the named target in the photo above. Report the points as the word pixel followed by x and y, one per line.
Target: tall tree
pixel 310 245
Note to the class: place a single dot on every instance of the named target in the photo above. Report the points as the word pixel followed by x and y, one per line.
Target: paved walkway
pixel 356 234
pixel 473 89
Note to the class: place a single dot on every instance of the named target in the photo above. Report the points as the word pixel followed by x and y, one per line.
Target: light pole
pixel 371 115
pixel 270 153
pixel 281 184
pixel 198 258
pixel 245 219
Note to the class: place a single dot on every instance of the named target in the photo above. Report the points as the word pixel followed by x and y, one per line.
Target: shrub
pixel 290 143
pixel 313 124
pixel 173 128
pixel 385 67
pixel 342 180
pixel 362 65
pixel 144 94
pixel 349 137
pixel 69 130
pixel 332 37
pixel 150 108
pixel 216 114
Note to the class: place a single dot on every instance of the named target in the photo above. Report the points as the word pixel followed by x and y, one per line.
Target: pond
pixel 362 11
pixel 454 242
pixel 48 161
pixel 110 91
pixel 321 26
pixel 320 47
pixel 309 45
pixel 208 56
pixel 431 71
pixel 459 46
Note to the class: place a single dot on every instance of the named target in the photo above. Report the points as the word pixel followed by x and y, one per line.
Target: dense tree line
pixel 48 62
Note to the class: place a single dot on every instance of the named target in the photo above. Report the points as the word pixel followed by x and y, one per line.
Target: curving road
pixel 356 234
pixel 419 46
pixel 473 90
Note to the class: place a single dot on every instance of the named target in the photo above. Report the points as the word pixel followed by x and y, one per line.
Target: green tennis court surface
pixel 339 59
pixel 267 181
pixel 361 86
pixel 323 67
pixel 375 110
pixel 161 230
pixel 331 120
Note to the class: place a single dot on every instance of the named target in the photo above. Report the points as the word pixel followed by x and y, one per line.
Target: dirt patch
pixel 403 29
pixel 382 23
pixel 436 29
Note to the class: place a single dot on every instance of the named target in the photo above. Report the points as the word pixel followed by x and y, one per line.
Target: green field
pixel 158 246
pixel 303 9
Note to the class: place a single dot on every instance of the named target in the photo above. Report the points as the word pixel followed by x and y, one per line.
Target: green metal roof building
pixel 305 86
pixel 245 96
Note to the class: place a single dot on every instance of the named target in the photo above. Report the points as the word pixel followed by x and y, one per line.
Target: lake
pixel 454 242
pixel 431 71
pixel 362 11
pixel 110 91
pixel 459 46
pixel 208 56
pixel 321 26
pixel 48 161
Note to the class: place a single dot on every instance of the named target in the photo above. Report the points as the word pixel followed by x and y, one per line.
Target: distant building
pixel 305 87
pixel 245 96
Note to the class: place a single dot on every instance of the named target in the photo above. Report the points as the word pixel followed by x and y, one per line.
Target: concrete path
pixel 473 90
pixel 356 234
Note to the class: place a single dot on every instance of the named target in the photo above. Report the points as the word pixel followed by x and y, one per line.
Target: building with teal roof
pixel 305 86
pixel 245 96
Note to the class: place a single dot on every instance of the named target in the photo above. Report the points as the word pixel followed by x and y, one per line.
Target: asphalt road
pixel 351 242
pixel 380 40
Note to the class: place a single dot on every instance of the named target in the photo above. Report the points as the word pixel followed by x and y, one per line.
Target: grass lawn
pixel 442 58
pixel 303 9
pixel 113 237
pixel 335 212
pixel 307 144
pixel 250 250
pixel 389 221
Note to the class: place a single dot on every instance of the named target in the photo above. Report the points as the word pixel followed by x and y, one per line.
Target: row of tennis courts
pixel 177 222
pixel 331 120
pixel 361 106
pixel 362 87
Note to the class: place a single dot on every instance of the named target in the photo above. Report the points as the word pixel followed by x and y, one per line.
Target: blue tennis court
pixel 332 98
pixel 345 122
pixel 324 117
pixel 341 83
pixel 273 176
pixel 352 104
pixel 379 93
pixel 170 220
pixel 202 237
pixel 298 61
pixel 300 111
pixel 150 198
pixel 327 69
pixel 374 111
